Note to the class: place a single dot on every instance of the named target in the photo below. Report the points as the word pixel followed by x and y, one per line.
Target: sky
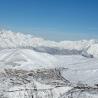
pixel 51 19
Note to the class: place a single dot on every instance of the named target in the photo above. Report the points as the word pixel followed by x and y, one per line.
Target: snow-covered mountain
pixel 32 67
pixel 9 39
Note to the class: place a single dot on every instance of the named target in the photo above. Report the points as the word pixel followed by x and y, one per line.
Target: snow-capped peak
pixel 9 39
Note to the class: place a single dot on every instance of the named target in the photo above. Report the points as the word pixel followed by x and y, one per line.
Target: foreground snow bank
pixel 41 83
pixel 27 84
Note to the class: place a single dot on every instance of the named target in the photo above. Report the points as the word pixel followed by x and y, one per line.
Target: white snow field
pixel 32 67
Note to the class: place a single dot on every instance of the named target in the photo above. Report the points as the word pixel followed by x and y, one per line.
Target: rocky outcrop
pixel 42 83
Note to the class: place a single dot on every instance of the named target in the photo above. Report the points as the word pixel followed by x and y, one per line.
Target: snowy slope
pixel 25 57
pixel 77 65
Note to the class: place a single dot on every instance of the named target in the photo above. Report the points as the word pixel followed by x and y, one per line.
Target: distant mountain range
pixel 9 39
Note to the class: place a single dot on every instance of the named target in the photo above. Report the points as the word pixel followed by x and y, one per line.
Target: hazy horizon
pixel 51 19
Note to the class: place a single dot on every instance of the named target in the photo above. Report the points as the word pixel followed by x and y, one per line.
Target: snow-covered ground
pixel 78 68
pixel 32 67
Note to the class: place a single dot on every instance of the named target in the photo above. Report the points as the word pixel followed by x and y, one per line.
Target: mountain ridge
pixel 9 39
